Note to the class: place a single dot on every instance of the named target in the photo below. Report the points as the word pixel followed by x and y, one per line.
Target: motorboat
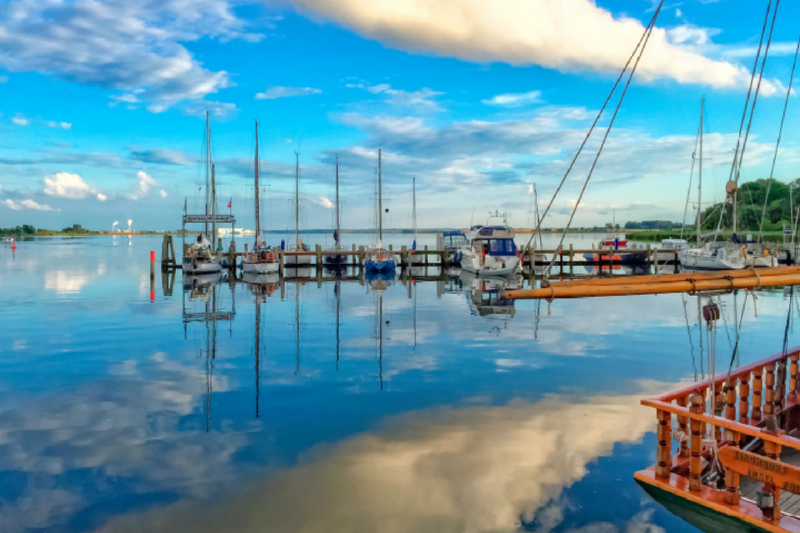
pixel 484 295
pixel 490 251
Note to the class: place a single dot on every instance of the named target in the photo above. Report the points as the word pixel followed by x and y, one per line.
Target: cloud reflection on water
pixel 473 469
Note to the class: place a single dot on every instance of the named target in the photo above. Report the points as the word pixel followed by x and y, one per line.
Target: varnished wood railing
pixel 742 419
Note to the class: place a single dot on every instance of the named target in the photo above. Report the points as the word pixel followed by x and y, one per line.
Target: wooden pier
pixel 566 259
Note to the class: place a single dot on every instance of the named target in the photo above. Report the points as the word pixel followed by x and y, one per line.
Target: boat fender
pixel 194 263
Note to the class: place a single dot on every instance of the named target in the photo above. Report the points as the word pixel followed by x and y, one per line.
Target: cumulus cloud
pixel 285 92
pixel 421 98
pixel 163 193
pixel 20 120
pixel 515 99
pixel 66 185
pixel 102 197
pixel 145 182
pixel 61 125
pixel 134 47
pixel 26 204
pixel 566 35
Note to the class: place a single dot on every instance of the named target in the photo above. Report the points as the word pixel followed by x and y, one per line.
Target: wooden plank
pixel 762 469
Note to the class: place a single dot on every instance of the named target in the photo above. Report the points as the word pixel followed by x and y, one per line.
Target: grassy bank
pixel 657 235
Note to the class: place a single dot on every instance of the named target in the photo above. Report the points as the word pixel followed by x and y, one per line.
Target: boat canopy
pixel 494 232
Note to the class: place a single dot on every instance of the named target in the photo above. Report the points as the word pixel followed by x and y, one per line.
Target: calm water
pixel 118 413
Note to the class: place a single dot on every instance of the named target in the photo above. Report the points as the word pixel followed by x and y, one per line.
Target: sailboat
pixel 331 258
pixel 201 258
pixel 711 255
pixel 298 245
pixel 261 259
pixel 378 259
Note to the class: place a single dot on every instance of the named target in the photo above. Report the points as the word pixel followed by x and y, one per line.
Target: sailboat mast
pixel 208 165
pixel 700 177
pixel 337 202
pixel 214 206
pixel 536 214
pixel 380 199
pixel 257 197
pixel 297 200
pixel 414 206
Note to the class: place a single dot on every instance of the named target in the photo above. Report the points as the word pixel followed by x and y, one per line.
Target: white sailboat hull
pixel 192 265
pixel 259 268
pixel 707 259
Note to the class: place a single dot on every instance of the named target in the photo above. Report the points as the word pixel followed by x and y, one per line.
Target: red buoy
pixel 13 243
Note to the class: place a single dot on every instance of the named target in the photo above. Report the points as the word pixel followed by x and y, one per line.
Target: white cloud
pixel 102 197
pixel 421 98
pixel 145 182
pixel 62 125
pixel 324 202
pixel 216 109
pixel 27 204
pixel 136 47
pixel 285 92
pixel 515 99
pixel 66 185
pixel 20 120
pixel 524 32
pixel 163 193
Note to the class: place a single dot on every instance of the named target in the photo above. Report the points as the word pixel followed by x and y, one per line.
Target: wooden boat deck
pixel 755 436
pixel 790 503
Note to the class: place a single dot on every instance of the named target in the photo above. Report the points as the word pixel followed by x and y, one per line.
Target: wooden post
pixel 757 386
pixel 390 247
pixel 426 255
pixel 683 427
pixel 245 248
pixel 744 397
pixel 792 392
pixel 663 450
pixel 769 397
pixel 650 258
pixel 164 253
pixel 319 256
pixel 403 253
pixel 696 443
pixel 571 262
pixel 773 451
pixel 731 477
pixel 281 259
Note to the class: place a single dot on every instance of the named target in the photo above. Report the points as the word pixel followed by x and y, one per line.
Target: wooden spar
pixel 671 278
pixel 582 291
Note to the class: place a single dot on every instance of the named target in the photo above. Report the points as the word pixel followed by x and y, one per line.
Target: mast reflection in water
pixel 421 403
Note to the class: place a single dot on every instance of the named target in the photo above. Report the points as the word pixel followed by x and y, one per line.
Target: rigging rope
pixel 778 143
pixel 646 33
pixel 691 176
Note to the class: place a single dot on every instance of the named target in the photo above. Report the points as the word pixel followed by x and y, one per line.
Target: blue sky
pixel 102 105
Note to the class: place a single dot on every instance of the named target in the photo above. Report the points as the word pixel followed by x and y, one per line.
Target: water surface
pixel 419 409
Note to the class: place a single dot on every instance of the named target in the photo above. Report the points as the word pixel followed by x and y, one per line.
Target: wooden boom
pixel 671 278
pixel 581 291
